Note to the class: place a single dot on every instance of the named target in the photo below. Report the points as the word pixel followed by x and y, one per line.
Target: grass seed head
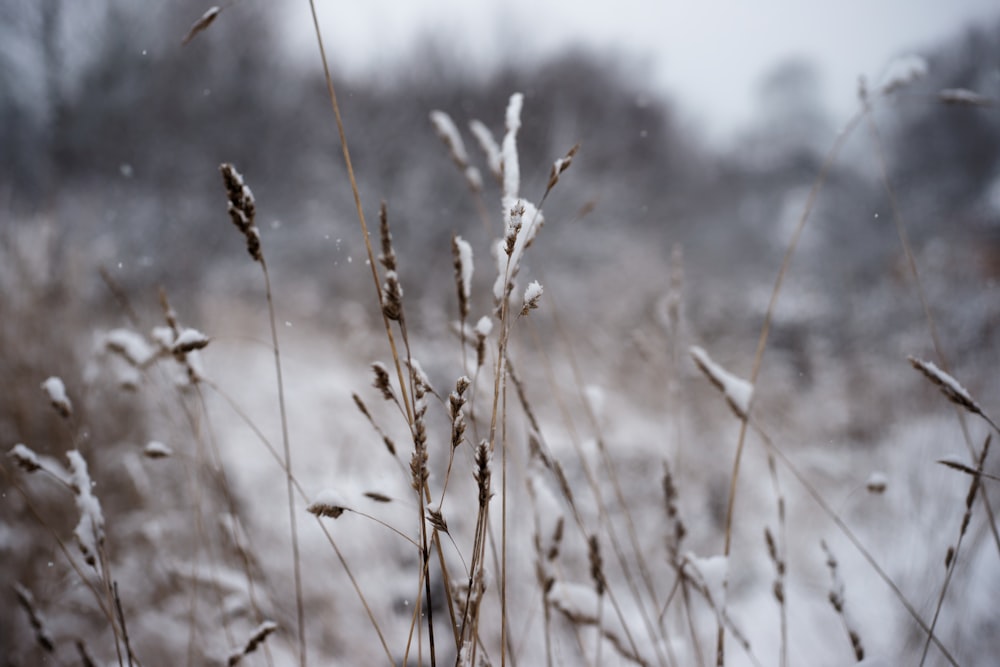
pixel 242 208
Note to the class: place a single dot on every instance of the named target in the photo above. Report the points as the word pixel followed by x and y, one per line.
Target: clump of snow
pixel 465 258
pixel 188 341
pixel 164 337
pixel 522 220
pixel 489 145
pixel 877 482
pixel 130 345
pixel 511 166
pixel 419 376
pixel 964 97
pixel 596 397
pixel 90 530
pixel 712 572
pixel 532 294
pixel 25 457
pixel 484 326
pixel 328 502
pixel 258 636
pixel 55 390
pixel 202 23
pixel 738 392
pixel 446 129
pixel 157 450
pixel 580 603
pixel 948 385
pixel 902 72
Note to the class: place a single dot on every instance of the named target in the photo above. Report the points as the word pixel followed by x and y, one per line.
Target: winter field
pixel 535 433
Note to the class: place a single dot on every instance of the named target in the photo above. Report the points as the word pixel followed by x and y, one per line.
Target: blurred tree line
pixel 114 130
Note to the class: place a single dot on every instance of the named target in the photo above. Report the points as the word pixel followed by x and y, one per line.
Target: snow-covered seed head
pixel 483 328
pixel 201 24
pixel 965 98
pixel 35 618
pixel 446 129
pixel 419 473
pixel 436 519
pixel 382 381
pixel 55 390
pixel 490 148
pixel 25 458
pixel 388 256
pixel 532 295
pixel 260 634
pixel 902 72
pixel 392 297
pixel 511 167
pixel 462 254
pixel 483 473
pixel 514 224
pixel 948 385
pixel 456 400
pixel 421 383
pixel 448 133
pixel 328 502
pixel 877 483
pixel 242 208
pixel 90 530
pixel 561 165
pixel 157 450
pixel 189 340
pixel 596 565
pixel 738 392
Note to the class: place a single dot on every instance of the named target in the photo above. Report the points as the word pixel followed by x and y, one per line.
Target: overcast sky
pixel 708 54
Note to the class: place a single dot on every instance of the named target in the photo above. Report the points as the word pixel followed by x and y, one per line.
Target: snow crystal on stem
pixel 260 634
pixel 738 392
pixel 903 71
pixel 55 390
pixel 328 502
